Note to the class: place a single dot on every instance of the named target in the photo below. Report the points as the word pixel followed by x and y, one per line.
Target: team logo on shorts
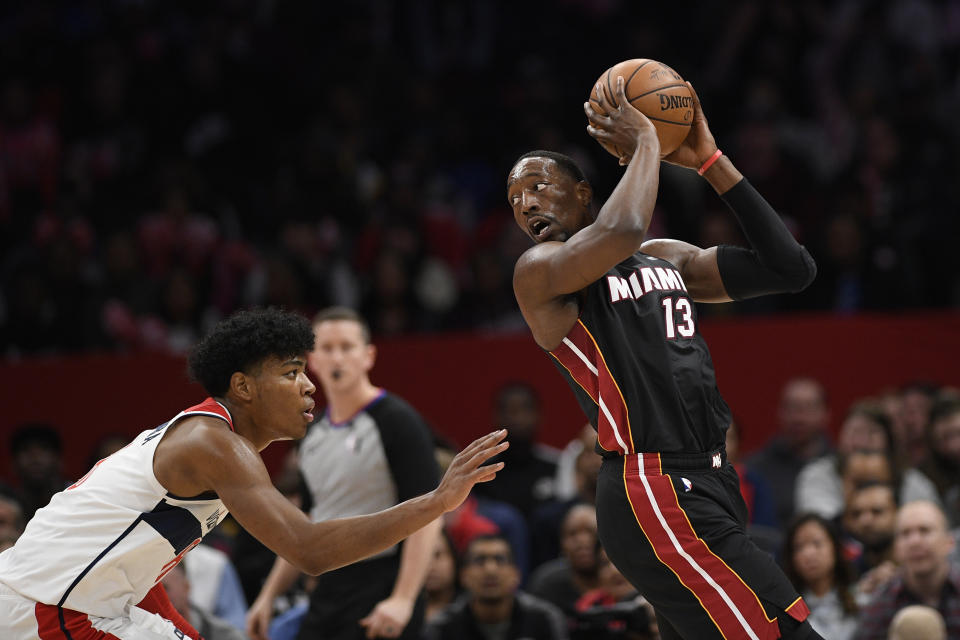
pixel 687 485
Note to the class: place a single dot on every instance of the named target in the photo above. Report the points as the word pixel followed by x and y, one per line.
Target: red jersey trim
pixel 211 407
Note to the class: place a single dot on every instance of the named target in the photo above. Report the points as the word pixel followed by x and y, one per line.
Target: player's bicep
pixel 240 479
pixel 698 268
pixel 553 269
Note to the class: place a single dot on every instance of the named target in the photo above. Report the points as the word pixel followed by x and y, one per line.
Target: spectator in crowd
pixel 491 605
pixel 870 518
pixel 11 516
pixel 916 400
pixel 177 584
pixel 547 519
pixel 37 463
pixel 564 580
pixel 923 547
pixel 530 467
pixel 214 585
pixel 756 493
pixel 440 586
pixel 613 609
pixel 918 622
pixel 943 463
pixel 814 562
pixel 866 428
pixel 801 437
pixel 567 485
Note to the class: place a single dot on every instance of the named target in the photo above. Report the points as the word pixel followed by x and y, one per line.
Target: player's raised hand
pixel 623 127
pixel 465 470
pixel 699 144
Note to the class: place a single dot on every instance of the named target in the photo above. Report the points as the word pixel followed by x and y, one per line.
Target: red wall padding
pixel 452 379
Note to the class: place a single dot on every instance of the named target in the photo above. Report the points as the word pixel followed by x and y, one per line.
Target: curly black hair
pixel 244 340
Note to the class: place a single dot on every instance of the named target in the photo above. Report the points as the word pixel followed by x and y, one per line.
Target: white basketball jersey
pixel 104 542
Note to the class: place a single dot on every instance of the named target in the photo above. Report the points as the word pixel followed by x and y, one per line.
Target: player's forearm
pixel 722 175
pixel 629 209
pixel 775 263
pixel 337 543
pixel 279 580
pixel 415 560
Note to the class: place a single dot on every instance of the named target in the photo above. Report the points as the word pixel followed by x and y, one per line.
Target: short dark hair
pixel 32 433
pixel 246 339
pixel 488 537
pixel 515 387
pixel 343 313
pixel 565 162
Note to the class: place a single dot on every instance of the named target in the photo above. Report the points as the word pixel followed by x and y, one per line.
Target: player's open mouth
pixel 308 412
pixel 540 228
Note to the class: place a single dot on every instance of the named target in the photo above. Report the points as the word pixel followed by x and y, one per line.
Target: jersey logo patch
pixel 687 485
pixel 717 461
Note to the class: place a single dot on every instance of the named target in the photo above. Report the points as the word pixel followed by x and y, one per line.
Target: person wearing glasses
pixel 491 606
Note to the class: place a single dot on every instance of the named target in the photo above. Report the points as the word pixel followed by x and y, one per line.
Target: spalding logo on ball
pixel 658 92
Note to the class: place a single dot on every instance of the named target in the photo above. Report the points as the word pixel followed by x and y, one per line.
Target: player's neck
pixel 344 403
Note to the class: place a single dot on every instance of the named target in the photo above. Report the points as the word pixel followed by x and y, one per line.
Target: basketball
pixel 658 92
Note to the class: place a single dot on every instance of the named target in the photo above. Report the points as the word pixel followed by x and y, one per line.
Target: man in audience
pixel 37 462
pixel 801 437
pixel 922 546
pixel 564 580
pixel 870 518
pixel 532 466
pixel 492 607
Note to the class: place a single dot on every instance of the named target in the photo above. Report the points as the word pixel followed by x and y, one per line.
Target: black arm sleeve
pixel 775 263
pixel 408 445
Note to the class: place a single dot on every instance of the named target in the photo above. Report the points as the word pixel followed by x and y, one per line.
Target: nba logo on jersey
pixel 687 485
pixel 717 463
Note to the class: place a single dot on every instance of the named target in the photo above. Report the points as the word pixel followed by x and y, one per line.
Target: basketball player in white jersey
pixel 89 565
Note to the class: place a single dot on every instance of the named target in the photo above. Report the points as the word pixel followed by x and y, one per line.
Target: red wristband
pixel 709 163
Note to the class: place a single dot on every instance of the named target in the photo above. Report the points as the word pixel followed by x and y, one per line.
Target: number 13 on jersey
pixel 682 307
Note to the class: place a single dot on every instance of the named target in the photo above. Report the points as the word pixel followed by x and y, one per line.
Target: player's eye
pixel 514 200
pixel 540 186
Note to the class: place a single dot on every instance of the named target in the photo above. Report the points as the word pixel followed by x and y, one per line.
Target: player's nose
pixel 529 203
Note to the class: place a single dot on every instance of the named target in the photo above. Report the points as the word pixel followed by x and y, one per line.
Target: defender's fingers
pixel 483 455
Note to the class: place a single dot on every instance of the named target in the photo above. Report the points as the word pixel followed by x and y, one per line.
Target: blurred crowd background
pixel 163 163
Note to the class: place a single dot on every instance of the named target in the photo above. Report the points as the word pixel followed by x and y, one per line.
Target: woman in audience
pixel 814 562
pixel 440 585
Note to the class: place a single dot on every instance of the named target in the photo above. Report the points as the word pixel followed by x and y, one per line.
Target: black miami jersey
pixel 638 365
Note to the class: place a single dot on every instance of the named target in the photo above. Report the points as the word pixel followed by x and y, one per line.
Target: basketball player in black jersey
pixel 617 316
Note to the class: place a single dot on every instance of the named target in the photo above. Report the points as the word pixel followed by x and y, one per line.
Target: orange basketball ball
pixel 658 92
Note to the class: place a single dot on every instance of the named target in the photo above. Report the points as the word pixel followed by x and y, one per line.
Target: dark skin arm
pixel 547 274
pixel 697 266
pixel 202 454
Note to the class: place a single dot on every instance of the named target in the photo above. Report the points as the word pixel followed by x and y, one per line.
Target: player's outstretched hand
pixel 623 127
pixel 699 144
pixel 465 470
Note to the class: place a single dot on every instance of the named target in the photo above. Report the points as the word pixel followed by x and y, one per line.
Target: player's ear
pixel 584 193
pixel 241 385
pixel 371 357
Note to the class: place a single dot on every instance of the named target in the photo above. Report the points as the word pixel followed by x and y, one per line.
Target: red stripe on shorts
pixel 665 524
pixel 76 625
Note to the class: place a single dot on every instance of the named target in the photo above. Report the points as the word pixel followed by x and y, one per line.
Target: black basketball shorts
pixel 675 528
